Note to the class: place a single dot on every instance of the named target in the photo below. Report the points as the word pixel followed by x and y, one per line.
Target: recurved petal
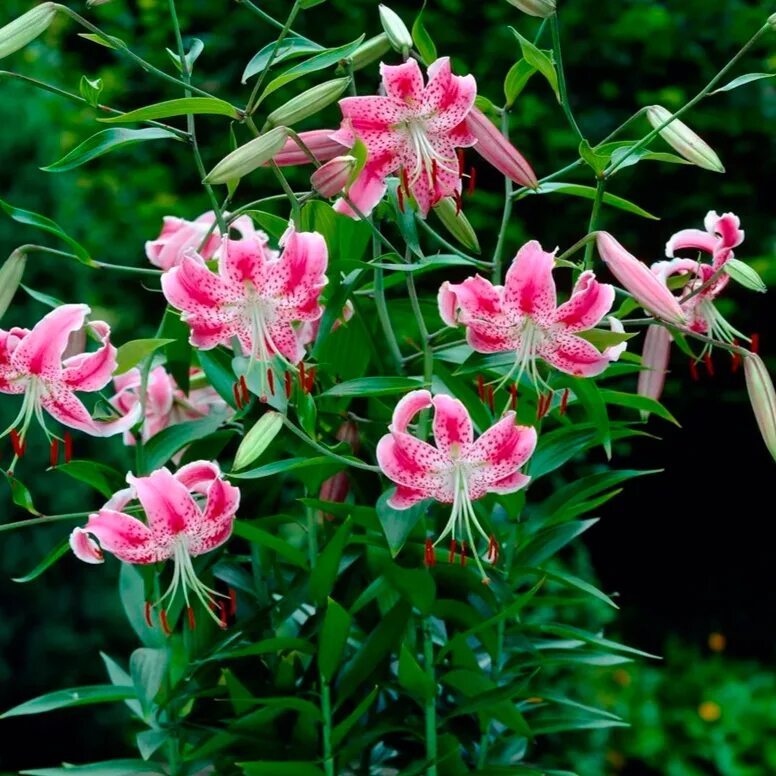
pixel 407 407
pixel 452 423
pixel 297 277
pixel 243 260
pixel 727 226
pixel 40 352
pixel 403 83
pixel 404 498
pixel 573 355
pixel 63 405
pixel 193 288
pixel 490 339
pixel 448 303
pixel 126 537
pixel 215 527
pixel 529 287
pixel 589 303
pixel 449 98
pixel 84 547
pixel 283 338
pixel 369 187
pixel 415 464
pixel 510 484
pixel 478 299
pixel 501 450
pixel 372 119
pixel 92 371
pixel 696 239
pixel 198 475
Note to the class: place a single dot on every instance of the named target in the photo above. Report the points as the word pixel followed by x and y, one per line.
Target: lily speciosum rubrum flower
pixel 317 141
pixel 643 285
pixel 258 296
pixel 763 399
pixel 166 404
pixel 458 470
pixel 179 236
pixel 523 316
pixel 414 130
pixel 187 514
pixel 32 364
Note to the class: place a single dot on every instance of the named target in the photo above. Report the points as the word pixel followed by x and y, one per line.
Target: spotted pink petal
pixel 478 299
pixel 179 236
pixel 161 392
pixel 510 484
pixel 372 120
pixel 529 286
pixel 404 498
pixel 589 303
pixel 84 547
pixel 92 371
pixel 299 275
pixel 215 525
pixel 198 475
pixel 489 339
pixel 447 98
pixel 63 405
pixel 126 537
pixel 369 187
pixel 452 424
pixel 415 464
pixel 287 340
pixel 242 261
pixel 407 407
pixel 192 287
pixel 573 355
pixel 403 83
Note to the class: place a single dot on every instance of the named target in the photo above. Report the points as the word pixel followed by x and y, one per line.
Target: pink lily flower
pixel 166 403
pixel 258 296
pixel 414 129
pixel 31 363
pixel 654 360
pixel 458 470
pixel 179 236
pixel 523 316
pixel 188 514
pixel 318 141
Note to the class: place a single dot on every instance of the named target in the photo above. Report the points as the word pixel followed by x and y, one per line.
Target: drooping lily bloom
pixel 179 236
pixel 187 514
pixel 258 296
pixel 166 403
pixel 458 470
pixel 31 363
pixel 414 129
pixel 523 316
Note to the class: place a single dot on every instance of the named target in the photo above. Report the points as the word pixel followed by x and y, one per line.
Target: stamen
pixel 68 447
pixel 707 360
pixel 192 620
pixel 472 181
pixel 451 554
pixel 459 153
pixel 302 377
pixel 458 202
pixel 287 383
pixel 54 452
pixel 463 553
pixel 491 400
pixel 754 343
pixel 694 371
pixel 164 623
pixel 148 615
pixel 19 445
pixel 232 602
pixel 246 394
pixel 237 399
pixel 271 381
pixel 481 388
pixel 493 550
pixel 429 556
pixel 564 401
pixel 735 359
pixel 513 399
pixel 223 622
pixel 310 380
pixel 400 198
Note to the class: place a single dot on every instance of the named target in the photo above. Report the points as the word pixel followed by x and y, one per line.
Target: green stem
pixel 328 751
pixel 588 238
pixel 430 703
pixel 564 98
pixel 131 270
pixel 312 537
pixel 600 190
pixel 46 519
pixel 524 190
pixel 506 215
pixel 428 355
pixel 698 97
pixel 289 192
pixel 382 312
pixel 443 242
pixel 271 19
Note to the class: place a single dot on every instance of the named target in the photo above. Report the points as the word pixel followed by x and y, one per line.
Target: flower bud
pixel 257 440
pixel 541 8
pixel 248 157
pixel 457 223
pixel 27 27
pixel 318 142
pixel 308 103
pixel 396 30
pixel 747 276
pixel 772 20
pixel 654 362
pixel 763 399
pixel 337 487
pixel 683 140
pixel 348 431
pixel 10 277
pixel 646 288
pixel 496 149
pixel 370 51
pixel 330 179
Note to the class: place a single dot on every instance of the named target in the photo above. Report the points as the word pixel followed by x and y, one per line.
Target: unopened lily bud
pixel 348 432
pixel 317 141
pixel 308 103
pixel 634 275
pixel 654 362
pixel 10 277
pixel 772 20
pixel 457 223
pixel 541 8
pixel 763 399
pixel 492 146
pixel 747 276
pixel 27 27
pixel 396 30
pixel 331 178
pixel 683 140
pixel 248 157
pixel 370 51
pixel 257 440
pixel 337 487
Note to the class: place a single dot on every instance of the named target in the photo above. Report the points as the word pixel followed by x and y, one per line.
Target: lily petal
pixel 415 464
pixel 691 238
pixel 125 537
pixel 63 405
pixel 654 359
pixel 403 83
pixel 243 260
pixel 449 97
pixel 407 407
pixel 404 498
pixel 529 285
pixel 510 484
pixel 452 423
pixel 92 371
pixel 84 547
pixel 589 303
pixel 215 525
pixel 198 475
pixel 573 355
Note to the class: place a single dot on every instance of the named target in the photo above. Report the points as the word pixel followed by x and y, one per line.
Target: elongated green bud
pixel 370 51
pixel 258 439
pixel 308 103
pixel 10 277
pixel 27 27
pixel 763 398
pixel 396 30
pixel 457 223
pixel 747 276
pixel 248 157
pixel 541 8
pixel 772 20
pixel 683 140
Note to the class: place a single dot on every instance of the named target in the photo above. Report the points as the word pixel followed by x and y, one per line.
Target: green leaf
pixel 91 90
pixel 374 386
pixel 47 225
pixel 267 647
pixel 305 4
pixel 217 366
pixel 163 446
pixel 538 59
pixel 280 768
pixel 421 38
pixel 277 544
pixel 341 730
pixel 147 668
pixel 49 560
pixel 333 638
pixel 20 495
pixel 570 632
pixel 111 43
pixel 588 192
pixel 415 585
pixel 105 768
pixel 274 225
pixel 589 395
pixel 286 465
pixel 292 46
pixel 636 402
pixel 131 353
pixel 258 439
pixel 104 142
pixel 743 79
pixel 346 238
pixel 177 354
pixel 10 278
pixel 398 523
pixel 594 158
pixel 44 299
pixel 185 106
pixel 77 696
pixel 413 678
pixel 197 47
pixel 516 79
pixel 571 581
pixel 324 573
pixel 548 542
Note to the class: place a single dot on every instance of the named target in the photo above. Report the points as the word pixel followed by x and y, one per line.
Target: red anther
pixel 491 400
pixel 542 405
pixel 459 153
pixel 244 392
pixel 735 359
pixel 472 181
pixel 287 384
pixel 192 620
pixel 68 447
pixel 434 171
pixel 237 399
pixel 18 446
pixel 754 344
pixel 400 198
pixel 458 202
pixel 463 553
pixel 709 364
pixel 164 623
pixel 54 452
pixel 694 370
pixel 302 377
pixel 148 615
pixel 223 621
pixel 271 381
pixel 481 388
pixel 232 602
pixel 513 399
pixel 493 550
pixel 451 554
pixel 405 180
pixel 564 401
pixel 429 556
pixel 311 379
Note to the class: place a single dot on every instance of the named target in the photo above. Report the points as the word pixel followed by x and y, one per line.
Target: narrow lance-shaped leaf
pixel 11 277
pixel 181 107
